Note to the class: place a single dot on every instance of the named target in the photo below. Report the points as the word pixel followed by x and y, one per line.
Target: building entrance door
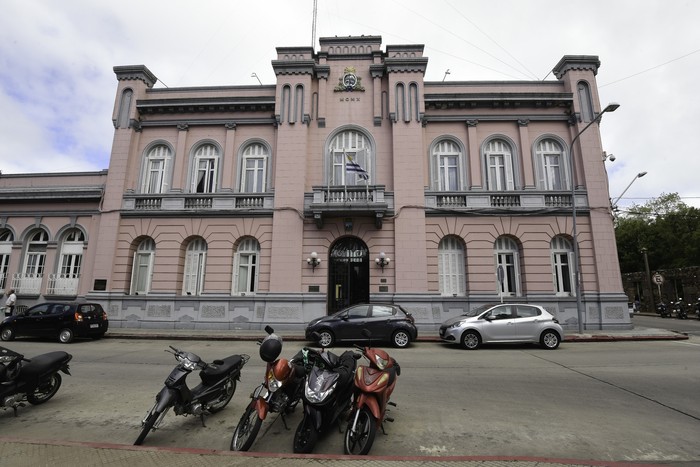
pixel 348 281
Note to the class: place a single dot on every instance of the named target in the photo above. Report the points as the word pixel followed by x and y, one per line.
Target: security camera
pixel 611 157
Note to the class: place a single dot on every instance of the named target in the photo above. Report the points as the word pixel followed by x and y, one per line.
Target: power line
pixel 652 68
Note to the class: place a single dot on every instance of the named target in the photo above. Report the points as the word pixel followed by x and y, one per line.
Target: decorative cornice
pixel 576 62
pixel 135 72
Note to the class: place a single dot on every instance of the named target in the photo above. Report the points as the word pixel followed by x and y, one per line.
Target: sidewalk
pixel 28 453
pixel 636 334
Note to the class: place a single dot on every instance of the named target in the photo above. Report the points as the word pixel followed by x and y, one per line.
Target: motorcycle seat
pixel 45 362
pixel 220 368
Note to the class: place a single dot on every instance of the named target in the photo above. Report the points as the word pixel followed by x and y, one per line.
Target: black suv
pixel 57 320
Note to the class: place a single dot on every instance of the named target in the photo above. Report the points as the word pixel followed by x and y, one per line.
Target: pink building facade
pixel 349 180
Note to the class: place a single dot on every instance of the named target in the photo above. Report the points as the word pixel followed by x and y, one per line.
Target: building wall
pixel 401 212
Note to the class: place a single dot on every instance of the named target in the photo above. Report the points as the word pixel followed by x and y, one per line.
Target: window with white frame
pixel 71 254
pixel 245 277
pixel 562 266
pixel 508 260
pixel 156 166
pixel 446 163
pixel 552 166
pixel 451 267
pixel 206 168
pixel 498 157
pixel 254 168
pixel 35 257
pixel 142 269
pixel 349 147
pixel 6 239
pixel 195 261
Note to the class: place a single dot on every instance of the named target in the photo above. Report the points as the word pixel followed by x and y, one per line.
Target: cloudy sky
pixel 57 86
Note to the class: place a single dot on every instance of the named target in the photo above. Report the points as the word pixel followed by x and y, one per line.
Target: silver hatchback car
pixel 501 323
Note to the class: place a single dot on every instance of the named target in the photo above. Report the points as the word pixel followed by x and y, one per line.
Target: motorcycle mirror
pixel 268 329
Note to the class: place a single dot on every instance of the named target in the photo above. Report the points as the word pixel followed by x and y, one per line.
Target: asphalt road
pixel 689 326
pixel 607 401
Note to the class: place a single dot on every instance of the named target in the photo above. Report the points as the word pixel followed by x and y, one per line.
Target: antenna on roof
pixel 447 72
pixel 255 75
pixel 313 25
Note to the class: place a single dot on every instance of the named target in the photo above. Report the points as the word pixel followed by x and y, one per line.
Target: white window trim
pixel 251 249
pixel 443 149
pixel 194 272
pixel 451 268
pixel 145 250
pixel 560 246
pixel 505 246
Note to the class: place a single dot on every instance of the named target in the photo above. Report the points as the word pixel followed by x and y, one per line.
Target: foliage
pixel 668 229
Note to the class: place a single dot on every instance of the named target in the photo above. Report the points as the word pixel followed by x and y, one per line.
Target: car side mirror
pixel 488 318
pixel 344 317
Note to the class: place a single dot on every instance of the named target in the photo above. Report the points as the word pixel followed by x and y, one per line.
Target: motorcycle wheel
pixel 359 442
pixel 147 426
pixel 246 430
pixel 45 391
pixel 226 395
pixel 305 437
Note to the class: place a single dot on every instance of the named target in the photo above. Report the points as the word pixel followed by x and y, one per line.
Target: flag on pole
pixel 352 166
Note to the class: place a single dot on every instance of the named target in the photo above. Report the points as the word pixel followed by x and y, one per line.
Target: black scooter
pixel 210 396
pixel 327 395
pixel 663 310
pixel 34 381
pixel 679 309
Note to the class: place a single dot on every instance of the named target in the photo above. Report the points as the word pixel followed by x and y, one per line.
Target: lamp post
pixel 577 279
pixel 639 175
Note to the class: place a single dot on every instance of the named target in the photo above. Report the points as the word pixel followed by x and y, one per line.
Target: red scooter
pixel 374 384
pixel 280 392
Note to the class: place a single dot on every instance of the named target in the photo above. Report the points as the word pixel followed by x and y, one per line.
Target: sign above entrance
pixel 349 81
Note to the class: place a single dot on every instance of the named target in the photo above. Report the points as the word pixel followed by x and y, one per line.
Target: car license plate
pixel 94 325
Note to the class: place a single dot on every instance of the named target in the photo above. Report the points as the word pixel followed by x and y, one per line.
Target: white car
pixel 501 323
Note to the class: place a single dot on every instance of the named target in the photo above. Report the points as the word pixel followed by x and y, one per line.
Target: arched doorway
pixel 348 276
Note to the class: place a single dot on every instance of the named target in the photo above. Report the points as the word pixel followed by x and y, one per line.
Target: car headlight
pixel 456 325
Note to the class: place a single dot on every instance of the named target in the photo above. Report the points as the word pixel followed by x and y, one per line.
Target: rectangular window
pixel 154 176
pixel 254 175
pixel 552 171
pixel 449 175
pixel 562 273
pixel 205 178
pixel 246 273
pixel 142 273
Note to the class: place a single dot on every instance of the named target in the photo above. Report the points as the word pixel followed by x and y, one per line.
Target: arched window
pixel 447 160
pixel 254 168
pixel 552 166
pixel 34 262
pixel 498 158
pixel 125 109
pixel 6 239
pixel 205 169
pixel 70 262
pixel 507 258
pixel 195 261
pixel 245 277
pixel 350 159
pixel 142 269
pixel 562 266
pixel 585 102
pixel 451 267
pixel 156 167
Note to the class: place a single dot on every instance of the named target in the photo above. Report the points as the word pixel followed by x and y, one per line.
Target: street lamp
pixel 639 175
pixel 577 280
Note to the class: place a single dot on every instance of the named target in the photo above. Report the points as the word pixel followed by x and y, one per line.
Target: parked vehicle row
pixel 332 388
pixel 679 309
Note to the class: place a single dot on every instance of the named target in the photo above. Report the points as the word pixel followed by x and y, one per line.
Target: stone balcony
pixel 179 203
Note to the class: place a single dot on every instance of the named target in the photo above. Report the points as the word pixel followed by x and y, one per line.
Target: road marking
pixel 686 343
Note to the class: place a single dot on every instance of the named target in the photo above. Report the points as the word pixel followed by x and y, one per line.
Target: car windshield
pixel 478 310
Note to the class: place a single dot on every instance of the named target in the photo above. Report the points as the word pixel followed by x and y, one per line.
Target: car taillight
pixel 104 316
pixel 78 317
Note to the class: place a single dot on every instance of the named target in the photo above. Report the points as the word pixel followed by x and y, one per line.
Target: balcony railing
pixel 339 201
pixel 63 284
pixel 137 204
pixel 517 201
pixel 27 284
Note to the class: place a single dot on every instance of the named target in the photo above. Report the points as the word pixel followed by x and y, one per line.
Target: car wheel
pixel 471 340
pixel 401 339
pixel 550 340
pixel 65 336
pixel 327 339
pixel 7 334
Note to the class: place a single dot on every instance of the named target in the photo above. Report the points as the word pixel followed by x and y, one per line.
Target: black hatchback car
pixel 388 323
pixel 57 320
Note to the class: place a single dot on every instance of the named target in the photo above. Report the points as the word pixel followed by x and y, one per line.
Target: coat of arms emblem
pixel 349 81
